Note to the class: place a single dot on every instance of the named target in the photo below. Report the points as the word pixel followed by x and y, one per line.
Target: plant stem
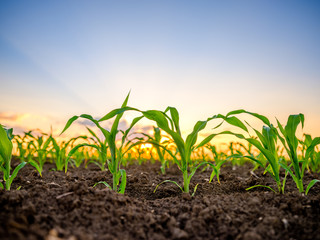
pixel 185 182
pixel 114 184
pixel 300 185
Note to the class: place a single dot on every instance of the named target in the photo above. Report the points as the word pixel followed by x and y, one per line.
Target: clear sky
pixel 63 58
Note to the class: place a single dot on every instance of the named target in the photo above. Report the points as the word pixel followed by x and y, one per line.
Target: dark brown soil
pixel 66 206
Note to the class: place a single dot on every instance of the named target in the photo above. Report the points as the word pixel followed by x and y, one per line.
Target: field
pixel 161 185
pixel 66 206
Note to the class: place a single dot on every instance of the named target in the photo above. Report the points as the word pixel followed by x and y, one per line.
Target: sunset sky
pixel 64 58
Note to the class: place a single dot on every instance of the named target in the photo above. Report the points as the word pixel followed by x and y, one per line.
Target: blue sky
pixel 60 58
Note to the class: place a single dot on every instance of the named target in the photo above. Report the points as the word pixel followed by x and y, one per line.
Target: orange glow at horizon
pixel 23 122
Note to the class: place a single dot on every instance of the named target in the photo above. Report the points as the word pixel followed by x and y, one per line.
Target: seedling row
pixel 275 148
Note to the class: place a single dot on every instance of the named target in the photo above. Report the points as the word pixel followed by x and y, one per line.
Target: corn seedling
pixel 21 142
pixel 290 143
pixel 310 154
pixel 5 158
pixel 170 124
pixel 39 146
pixel 24 146
pixel 218 160
pixel 265 143
pixel 59 153
pixel 110 136
pixel 98 144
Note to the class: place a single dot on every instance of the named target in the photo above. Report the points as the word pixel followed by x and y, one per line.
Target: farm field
pixel 161 185
pixel 66 206
pixel 159 120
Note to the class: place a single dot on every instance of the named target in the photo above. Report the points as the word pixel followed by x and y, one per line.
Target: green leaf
pixel 14 174
pixel 175 118
pixel 162 122
pixel 236 122
pixel 216 171
pixel 94 135
pixel 310 185
pixel 170 181
pixel 55 145
pixel 206 140
pixel 117 111
pixel 134 122
pixel 46 144
pixel 5 147
pixel 192 137
pixel 74 149
pixel 255 186
pixel 256 160
pixel 269 156
pixel 292 124
pixel 159 117
pixel 308 139
pixel 264 119
pixel 9 133
pixel 194 190
pixel 210 137
pixel 291 141
pixel 70 121
pixel 290 172
pixel 194 169
pixel 36 166
pixel 104 183
pixel 310 149
pixel 123 183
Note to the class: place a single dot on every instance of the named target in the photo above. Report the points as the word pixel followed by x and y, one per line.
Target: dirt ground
pixel 66 206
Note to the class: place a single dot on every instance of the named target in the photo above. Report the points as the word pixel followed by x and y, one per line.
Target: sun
pixel 146 146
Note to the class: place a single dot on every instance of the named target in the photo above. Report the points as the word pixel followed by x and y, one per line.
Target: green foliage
pixel 168 121
pixel 269 148
pixel 39 146
pixel 310 153
pixel 5 158
pixel 60 151
pixel 110 143
pixel 265 143
pixel 290 143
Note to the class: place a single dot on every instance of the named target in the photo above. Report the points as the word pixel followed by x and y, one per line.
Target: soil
pixel 66 206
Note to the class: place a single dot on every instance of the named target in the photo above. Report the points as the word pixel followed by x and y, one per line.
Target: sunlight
pixel 146 146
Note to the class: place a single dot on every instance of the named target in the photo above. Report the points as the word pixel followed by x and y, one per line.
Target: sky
pixel 64 58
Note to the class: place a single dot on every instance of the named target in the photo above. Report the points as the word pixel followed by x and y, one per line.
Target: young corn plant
pixel 266 143
pixel 118 174
pixel 235 154
pixel 40 147
pixel 217 156
pixel 82 157
pixel 310 154
pixel 60 151
pixel 170 124
pixel 5 158
pixel 290 143
pixel 24 146
pixel 98 144
pixel 21 145
pixel 218 160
